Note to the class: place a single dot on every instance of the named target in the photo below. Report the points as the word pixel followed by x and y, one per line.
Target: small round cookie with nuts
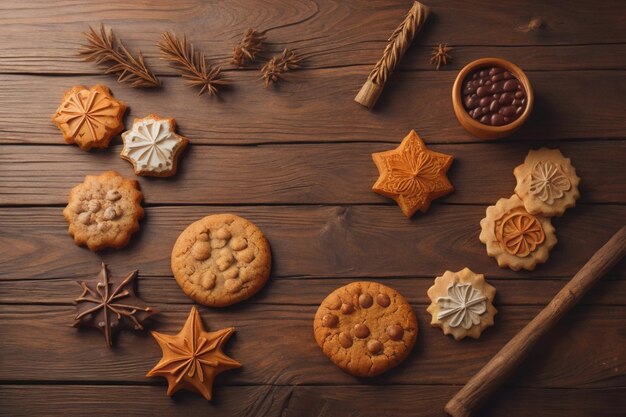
pixel 104 211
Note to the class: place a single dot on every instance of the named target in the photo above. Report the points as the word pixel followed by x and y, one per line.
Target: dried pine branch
pixel 104 48
pixel 247 49
pixel 279 64
pixel 398 42
pixel 191 64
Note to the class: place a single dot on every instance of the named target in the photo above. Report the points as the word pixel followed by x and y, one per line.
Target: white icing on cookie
pixel 151 145
pixel 464 305
pixel 548 182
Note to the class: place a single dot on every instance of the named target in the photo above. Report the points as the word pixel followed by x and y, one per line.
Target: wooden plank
pixel 309 241
pixel 164 290
pixel 318 106
pixel 275 345
pixel 298 401
pixel 305 173
pixel 328 33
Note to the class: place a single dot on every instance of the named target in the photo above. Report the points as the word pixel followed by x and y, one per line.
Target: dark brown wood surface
pixel 296 160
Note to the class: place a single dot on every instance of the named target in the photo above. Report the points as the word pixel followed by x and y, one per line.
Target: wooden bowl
pixel 476 128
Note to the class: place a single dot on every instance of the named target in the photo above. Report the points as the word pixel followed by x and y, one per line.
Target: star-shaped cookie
pixel 412 175
pixel 89 117
pixel 110 304
pixel 153 147
pixel 193 358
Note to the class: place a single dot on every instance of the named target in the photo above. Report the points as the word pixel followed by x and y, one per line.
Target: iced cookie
pixel 412 175
pixel 365 328
pixel 547 182
pixel 104 211
pixel 221 260
pixel 153 147
pixel 461 304
pixel 89 117
pixel 516 238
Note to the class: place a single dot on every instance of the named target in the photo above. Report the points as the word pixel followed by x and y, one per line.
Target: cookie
pixel 516 238
pixel 547 182
pixel 104 211
pixel 412 175
pixel 153 147
pixel 89 117
pixel 461 304
pixel 365 328
pixel 221 260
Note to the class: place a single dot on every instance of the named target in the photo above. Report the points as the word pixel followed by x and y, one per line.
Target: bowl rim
pixel 457 100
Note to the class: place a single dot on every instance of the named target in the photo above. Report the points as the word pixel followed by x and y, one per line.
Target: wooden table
pixel 296 160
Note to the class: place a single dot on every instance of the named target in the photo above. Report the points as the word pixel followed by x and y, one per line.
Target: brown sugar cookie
pixel 547 182
pixel 461 304
pixel 365 328
pixel 412 175
pixel 153 147
pixel 104 211
pixel 516 238
pixel 89 117
pixel 221 260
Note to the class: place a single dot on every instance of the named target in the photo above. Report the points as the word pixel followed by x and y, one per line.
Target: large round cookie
pixel 221 259
pixel 365 328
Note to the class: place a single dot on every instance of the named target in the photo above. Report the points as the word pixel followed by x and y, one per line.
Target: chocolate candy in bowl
pixel 492 98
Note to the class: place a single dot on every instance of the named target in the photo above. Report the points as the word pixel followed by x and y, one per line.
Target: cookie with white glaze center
pixel 221 260
pixel 365 328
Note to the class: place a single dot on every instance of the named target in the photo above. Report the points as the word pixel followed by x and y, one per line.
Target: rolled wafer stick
pixel 467 401
pixel 397 45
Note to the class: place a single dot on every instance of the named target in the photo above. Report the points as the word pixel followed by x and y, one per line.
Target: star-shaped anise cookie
pixel 153 147
pixel 110 304
pixel 193 358
pixel 89 117
pixel 412 175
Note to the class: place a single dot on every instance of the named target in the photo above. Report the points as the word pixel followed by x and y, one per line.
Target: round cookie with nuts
pixel 104 211
pixel 365 328
pixel 221 260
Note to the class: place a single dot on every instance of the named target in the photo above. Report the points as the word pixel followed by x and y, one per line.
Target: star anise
pixel 441 55
pixel 275 68
pixel 248 48
pixel 109 304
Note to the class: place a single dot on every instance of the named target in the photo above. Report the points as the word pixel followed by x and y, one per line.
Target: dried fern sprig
pixel 273 71
pixel 105 48
pixel 248 48
pixel 191 64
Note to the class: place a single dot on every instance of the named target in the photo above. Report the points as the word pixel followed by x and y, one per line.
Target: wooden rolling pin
pixel 467 401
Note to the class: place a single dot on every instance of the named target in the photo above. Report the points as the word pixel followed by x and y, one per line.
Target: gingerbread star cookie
pixel 547 182
pixel 153 147
pixel 365 328
pixel 104 211
pixel 89 117
pixel 461 304
pixel 516 238
pixel 193 358
pixel 221 260
pixel 412 175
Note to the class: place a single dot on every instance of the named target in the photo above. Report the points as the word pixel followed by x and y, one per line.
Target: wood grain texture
pixel 309 241
pixel 328 33
pixel 317 106
pixel 299 174
pixel 298 401
pixel 275 345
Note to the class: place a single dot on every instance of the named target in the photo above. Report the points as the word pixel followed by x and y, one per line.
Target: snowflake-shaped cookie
pixel 153 147
pixel 461 304
pixel 547 182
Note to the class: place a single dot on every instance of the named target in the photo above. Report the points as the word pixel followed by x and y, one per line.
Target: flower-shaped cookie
pixel 516 238
pixel 547 182
pixel 153 147
pixel 412 175
pixel 461 304
pixel 89 117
